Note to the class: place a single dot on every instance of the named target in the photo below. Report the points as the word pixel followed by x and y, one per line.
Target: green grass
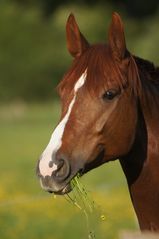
pixel 26 211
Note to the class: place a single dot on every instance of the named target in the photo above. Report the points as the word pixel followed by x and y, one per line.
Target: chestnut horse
pixel 110 110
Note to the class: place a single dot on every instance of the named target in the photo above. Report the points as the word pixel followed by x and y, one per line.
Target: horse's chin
pixel 67 189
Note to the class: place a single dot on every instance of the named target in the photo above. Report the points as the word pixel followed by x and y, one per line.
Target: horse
pixel 110 102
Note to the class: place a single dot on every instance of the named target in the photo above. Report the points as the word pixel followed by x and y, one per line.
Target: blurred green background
pixel 33 59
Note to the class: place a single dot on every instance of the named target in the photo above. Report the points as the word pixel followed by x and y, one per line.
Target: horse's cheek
pixel 120 130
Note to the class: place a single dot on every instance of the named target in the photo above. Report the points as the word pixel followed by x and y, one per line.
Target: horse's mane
pixel 148 71
pixel 149 78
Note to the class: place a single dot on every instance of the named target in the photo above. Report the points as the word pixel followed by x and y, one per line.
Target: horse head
pixel 99 113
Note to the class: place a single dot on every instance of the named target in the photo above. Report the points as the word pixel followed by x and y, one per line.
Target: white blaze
pixel 56 138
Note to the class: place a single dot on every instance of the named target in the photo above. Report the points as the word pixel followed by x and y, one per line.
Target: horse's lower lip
pixel 65 190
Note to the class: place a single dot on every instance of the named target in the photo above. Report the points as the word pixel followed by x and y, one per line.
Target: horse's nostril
pixel 60 168
pixel 62 171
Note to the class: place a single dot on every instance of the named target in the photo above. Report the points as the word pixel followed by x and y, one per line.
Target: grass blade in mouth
pixel 81 198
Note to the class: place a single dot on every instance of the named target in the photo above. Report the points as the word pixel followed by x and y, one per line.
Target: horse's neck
pixel 141 167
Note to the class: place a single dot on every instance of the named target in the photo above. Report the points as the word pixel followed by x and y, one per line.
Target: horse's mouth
pixel 67 186
pixel 89 166
pixel 67 189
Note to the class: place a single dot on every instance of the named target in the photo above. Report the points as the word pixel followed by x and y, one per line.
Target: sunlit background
pixel 33 59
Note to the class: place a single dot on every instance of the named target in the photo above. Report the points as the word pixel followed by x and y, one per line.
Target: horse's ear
pixel 117 37
pixel 76 43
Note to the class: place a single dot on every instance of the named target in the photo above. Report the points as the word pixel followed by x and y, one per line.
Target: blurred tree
pixel 134 8
pixel 142 8
pixel 33 53
pixel 49 6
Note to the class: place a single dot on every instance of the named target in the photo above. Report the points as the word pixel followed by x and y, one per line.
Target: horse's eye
pixel 109 94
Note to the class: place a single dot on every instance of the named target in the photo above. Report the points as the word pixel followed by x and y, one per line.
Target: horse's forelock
pixel 103 72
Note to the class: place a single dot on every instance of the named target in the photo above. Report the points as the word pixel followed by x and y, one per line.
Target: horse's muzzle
pixel 57 182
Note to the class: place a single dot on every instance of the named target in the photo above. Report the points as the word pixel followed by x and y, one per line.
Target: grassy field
pixel 28 212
